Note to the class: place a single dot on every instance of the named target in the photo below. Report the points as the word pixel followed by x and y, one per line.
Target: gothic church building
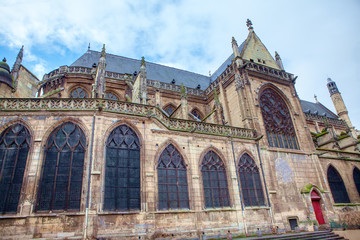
pixel 118 148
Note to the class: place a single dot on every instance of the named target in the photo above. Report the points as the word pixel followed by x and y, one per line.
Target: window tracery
pixel 122 171
pixel 215 185
pixel 196 113
pixel 111 96
pixel 250 182
pixel 78 92
pixel 62 171
pixel 279 127
pixel 172 180
pixel 14 148
pixel 337 186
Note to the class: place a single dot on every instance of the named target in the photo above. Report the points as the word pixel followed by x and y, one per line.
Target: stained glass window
pixel 213 172
pixel 122 172
pixel 14 148
pixel 356 176
pixel 62 170
pixel 110 96
pixel 172 180
pixel 279 127
pixel 337 186
pixel 250 182
pixel 78 92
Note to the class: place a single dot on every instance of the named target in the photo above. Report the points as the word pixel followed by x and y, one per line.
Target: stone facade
pixel 231 125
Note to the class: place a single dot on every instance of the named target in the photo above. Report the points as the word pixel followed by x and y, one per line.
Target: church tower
pixel 339 104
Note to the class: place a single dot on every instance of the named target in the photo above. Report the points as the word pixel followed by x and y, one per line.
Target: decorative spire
pixel 4 60
pixel 278 60
pixel 315 97
pixel 89 47
pixel 216 97
pixel 249 25
pixel 103 51
pixel 16 68
pixel 235 48
pixel 332 87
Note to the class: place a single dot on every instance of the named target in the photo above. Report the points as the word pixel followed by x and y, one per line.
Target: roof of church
pixel 317 108
pixel 154 71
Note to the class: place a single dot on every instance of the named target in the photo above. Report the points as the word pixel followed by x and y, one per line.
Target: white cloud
pixel 315 39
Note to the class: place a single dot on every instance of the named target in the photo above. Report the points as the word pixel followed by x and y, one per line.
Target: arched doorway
pixel 315 199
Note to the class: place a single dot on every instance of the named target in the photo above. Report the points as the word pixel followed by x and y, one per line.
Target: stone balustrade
pixel 65 104
pixel 332 121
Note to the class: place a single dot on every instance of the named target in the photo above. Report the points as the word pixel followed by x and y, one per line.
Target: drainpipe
pixel 89 177
pixel 238 181
pixel 262 171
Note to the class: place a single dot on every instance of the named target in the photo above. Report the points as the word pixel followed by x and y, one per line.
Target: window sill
pixel 171 211
pixel 120 213
pixel 257 208
pixel 285 150
pixel 346 204
pixel 219 209
pixel 42 215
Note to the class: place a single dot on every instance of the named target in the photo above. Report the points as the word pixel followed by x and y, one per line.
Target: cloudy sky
pixel 315 39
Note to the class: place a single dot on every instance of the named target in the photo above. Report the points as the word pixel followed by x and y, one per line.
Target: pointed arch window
pixel 337 186
pixel 250 182
pixel 197 114
pixel 62 170
pixel 122 171
pixel 172 180
pixel 279 127
pixel 356 176
pixel 111 96
pixel 78 92
pixel 14 149
pixel 169 109
pixel 215 185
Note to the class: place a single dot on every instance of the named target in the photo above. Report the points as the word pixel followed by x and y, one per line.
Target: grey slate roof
pixel 154 71
pixel 317 108
pixel 223 66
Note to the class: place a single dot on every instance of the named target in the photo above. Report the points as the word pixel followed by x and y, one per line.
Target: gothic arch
pixel 277 118
pixel 122 171
pixel 172 179
pixel 76 91
pixel 215 179
pixel 356 178
pixel 337 186
pixel 266 85
pixel 168 106
pixel 122 122
pixel 111 95
pixel 250 181
pixel 162 147
pixel 15 145
pixel 199 113
pixel 63 169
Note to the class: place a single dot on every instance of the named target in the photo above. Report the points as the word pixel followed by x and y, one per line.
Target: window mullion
pixel 54 182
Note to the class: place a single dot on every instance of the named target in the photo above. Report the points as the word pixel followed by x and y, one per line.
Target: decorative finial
pixel 277 56
pixel 209 73
pixel 249 24
pixel 216 97
pixel 4 60
pixel 183 91
pixel 315 97
pixel 103 51
pixel 142 60
pixel 89 47
pixel 329 80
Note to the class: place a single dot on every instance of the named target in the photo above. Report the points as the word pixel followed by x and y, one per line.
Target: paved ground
pixel 349 234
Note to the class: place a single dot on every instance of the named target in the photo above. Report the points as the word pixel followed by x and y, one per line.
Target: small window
pixel 169 109
pixel 337 186
pixel 78 92
pixel 110 96
pixel 196 113
pixel 293 223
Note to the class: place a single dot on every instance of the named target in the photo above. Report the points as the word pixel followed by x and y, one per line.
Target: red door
pixel 315 199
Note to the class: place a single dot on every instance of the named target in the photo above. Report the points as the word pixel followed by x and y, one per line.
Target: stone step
pixel 319 235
